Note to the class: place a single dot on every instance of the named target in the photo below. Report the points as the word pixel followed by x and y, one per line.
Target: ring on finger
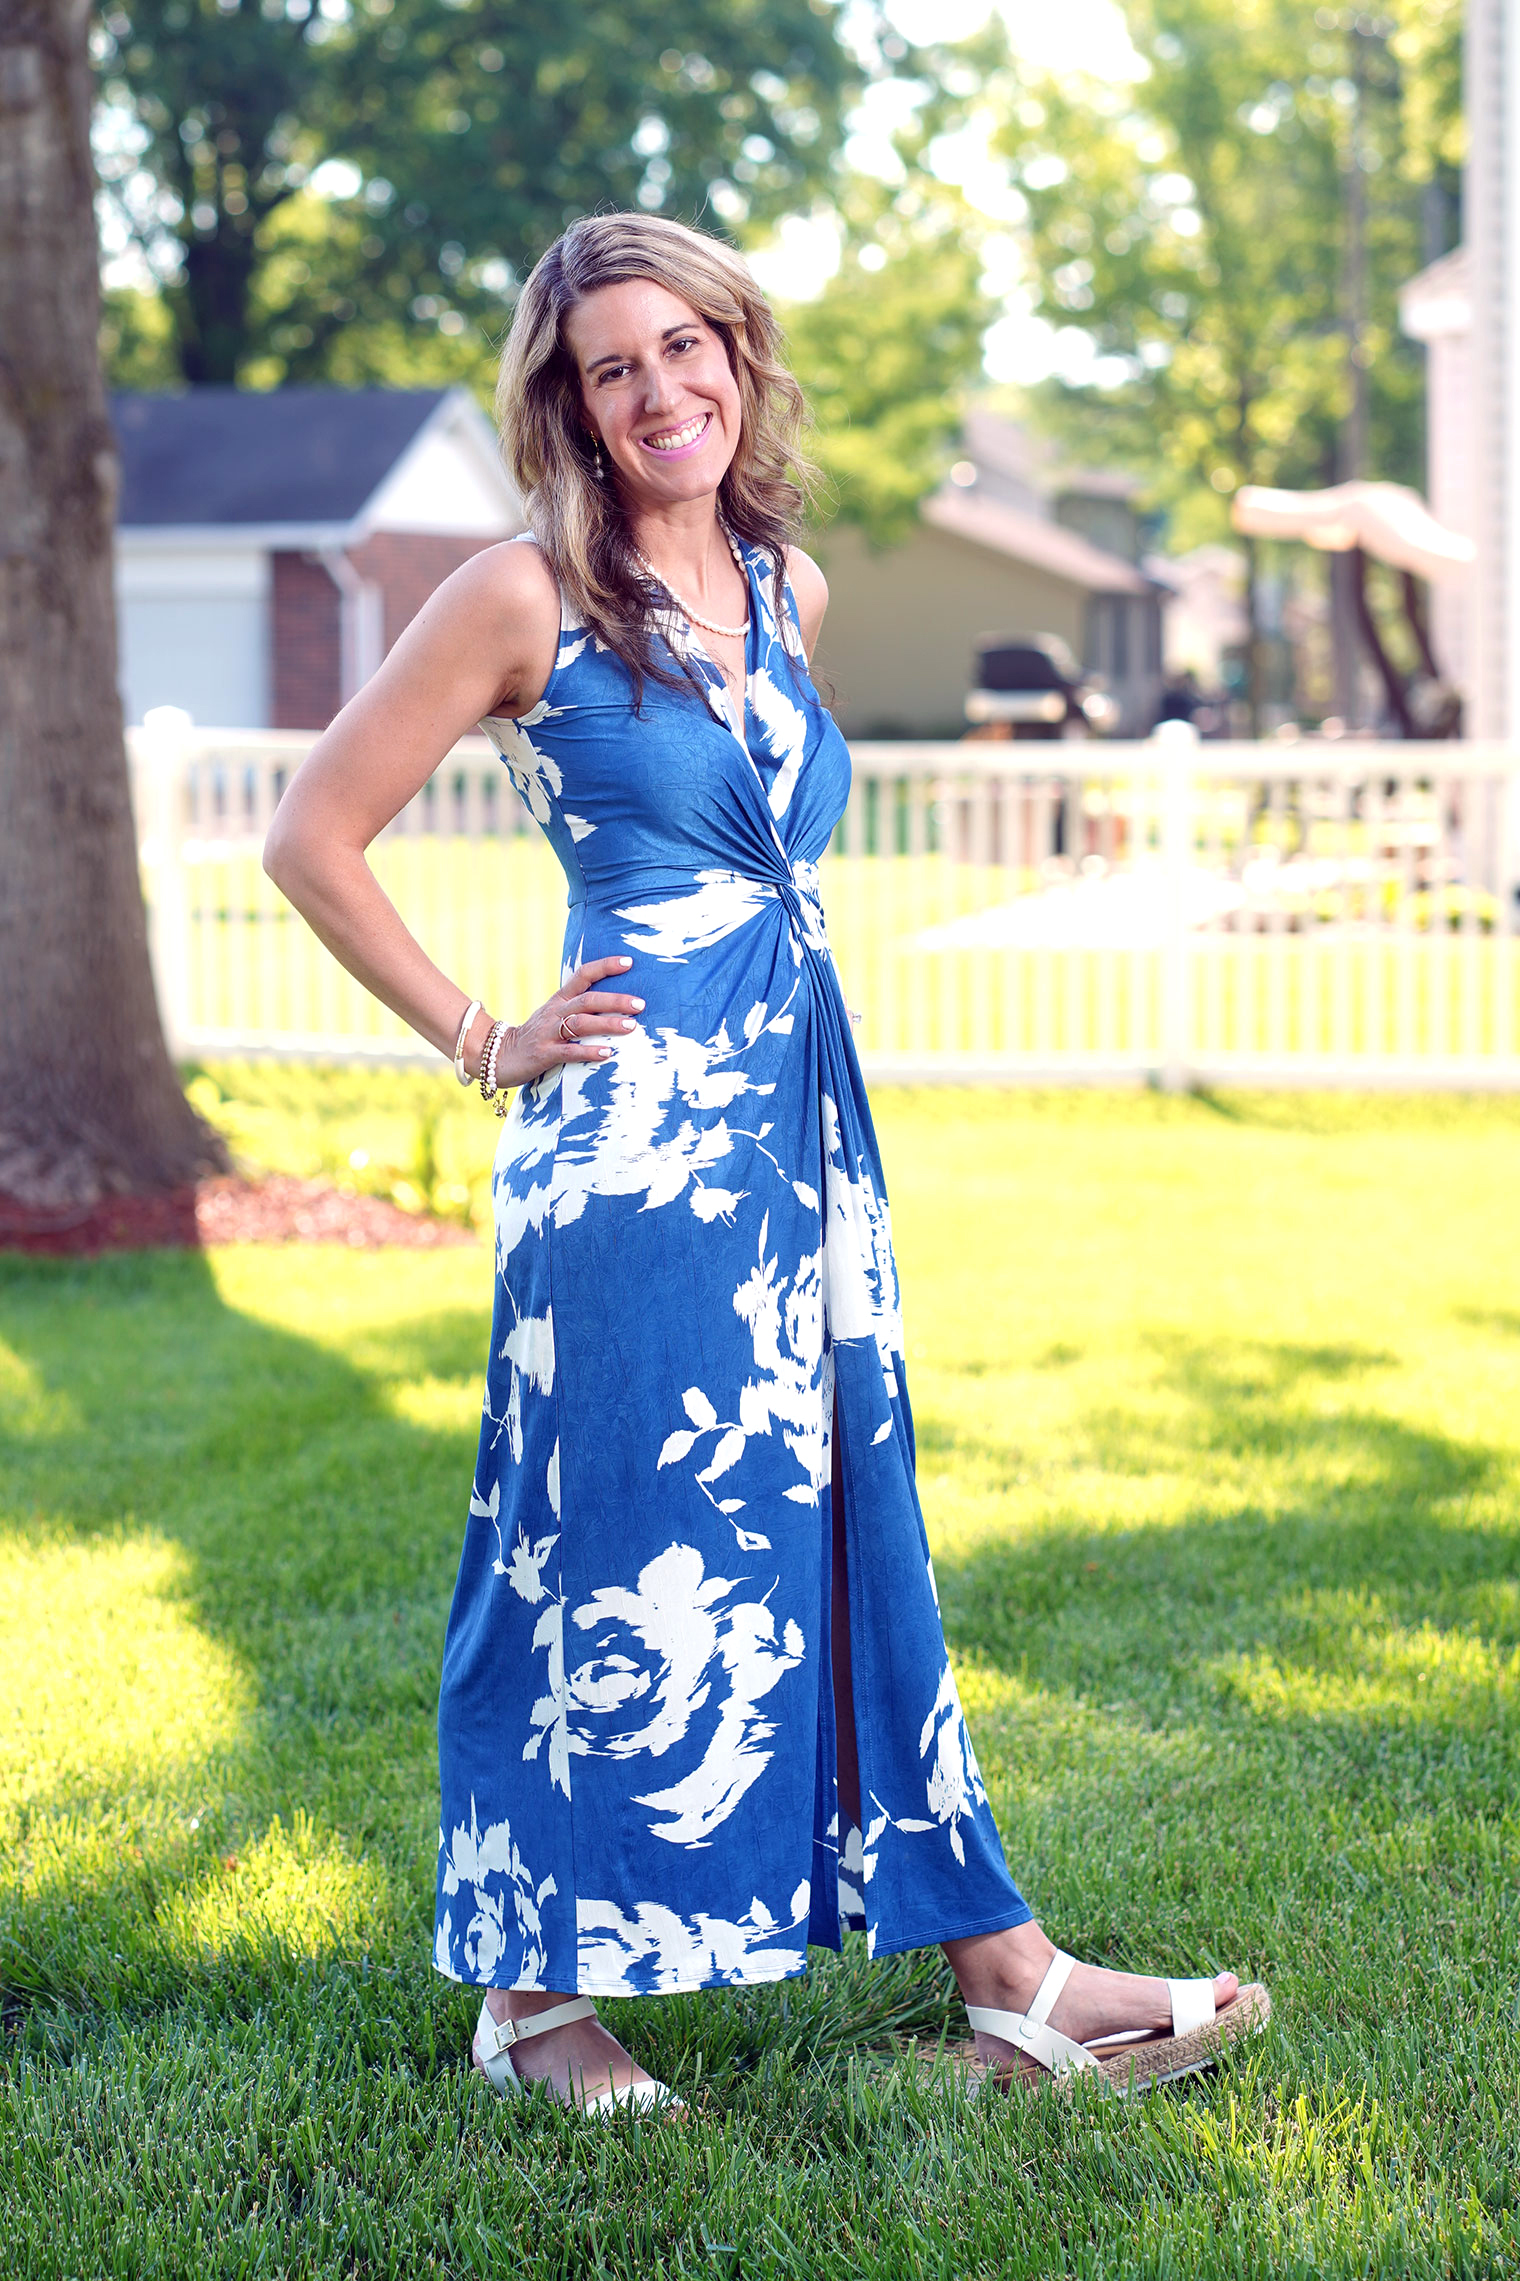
pixel 571 1037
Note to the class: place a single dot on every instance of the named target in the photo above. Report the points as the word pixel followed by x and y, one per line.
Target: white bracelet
pixel 473 1008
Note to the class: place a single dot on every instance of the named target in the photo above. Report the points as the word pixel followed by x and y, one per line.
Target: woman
pixel 696 1708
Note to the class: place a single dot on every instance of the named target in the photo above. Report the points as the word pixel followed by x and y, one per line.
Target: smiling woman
pixel 642 354
pixel 697 1711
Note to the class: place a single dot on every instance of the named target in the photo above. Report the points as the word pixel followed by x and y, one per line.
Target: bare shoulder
pixel 811 589
pixel 502 605
pixel 511 580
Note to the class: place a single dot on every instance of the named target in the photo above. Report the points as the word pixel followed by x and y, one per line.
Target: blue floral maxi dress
pixel 693 1268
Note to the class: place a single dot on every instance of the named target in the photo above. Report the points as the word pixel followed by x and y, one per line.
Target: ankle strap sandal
pixel 495 2041
pixel 1130 2059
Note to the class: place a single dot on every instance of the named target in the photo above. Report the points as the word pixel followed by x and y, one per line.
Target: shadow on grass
pixel 1322 1640
pixel 1303 1493
pixel 256 1555
pixel 1250 1399
pixel 1278 1730
pixel 1496 1322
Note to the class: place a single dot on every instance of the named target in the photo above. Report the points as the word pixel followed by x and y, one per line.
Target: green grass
pixel 407 1133
pixel 1219 1416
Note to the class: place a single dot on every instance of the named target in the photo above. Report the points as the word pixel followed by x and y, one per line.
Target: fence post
pixel 1174 740
pixel 165 754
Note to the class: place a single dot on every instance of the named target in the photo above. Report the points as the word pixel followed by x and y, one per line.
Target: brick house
pixel 271 547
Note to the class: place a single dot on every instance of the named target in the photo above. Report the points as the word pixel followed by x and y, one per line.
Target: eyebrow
pixel 620 356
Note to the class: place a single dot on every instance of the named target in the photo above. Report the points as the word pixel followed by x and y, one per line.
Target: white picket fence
pixel 1312 913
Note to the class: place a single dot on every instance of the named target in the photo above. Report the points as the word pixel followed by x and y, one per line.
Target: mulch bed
pixel 225 1210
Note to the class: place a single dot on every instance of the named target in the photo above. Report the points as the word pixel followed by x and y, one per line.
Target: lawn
pixel 1219 1426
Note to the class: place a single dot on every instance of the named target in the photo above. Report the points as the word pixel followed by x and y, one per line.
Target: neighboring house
pixel 272 546
pixel 1004 547
pixel 1437 308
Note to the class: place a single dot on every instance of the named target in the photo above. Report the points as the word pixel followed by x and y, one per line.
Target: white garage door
pixel 194 632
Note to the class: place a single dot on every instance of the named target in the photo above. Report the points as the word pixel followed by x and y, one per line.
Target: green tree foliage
pixel 888 351
pixel 1427 45
pixel 472 130
pixel 1193 226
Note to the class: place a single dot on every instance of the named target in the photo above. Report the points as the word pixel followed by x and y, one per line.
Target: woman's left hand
pixel 570 1026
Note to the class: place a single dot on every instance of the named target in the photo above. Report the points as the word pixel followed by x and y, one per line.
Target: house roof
pixel 1029 538
pixel 1026 471
pixel 1095 482
pixel 220 456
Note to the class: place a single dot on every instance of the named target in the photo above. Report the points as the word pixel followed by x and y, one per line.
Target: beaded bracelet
pixel 491 1049
pixel 473 1008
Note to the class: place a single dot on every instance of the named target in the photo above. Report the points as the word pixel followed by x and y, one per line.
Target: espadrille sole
pixel 1137 2067
pixel 1131 2069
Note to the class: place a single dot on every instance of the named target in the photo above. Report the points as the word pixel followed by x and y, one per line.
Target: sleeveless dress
pixel 694 1278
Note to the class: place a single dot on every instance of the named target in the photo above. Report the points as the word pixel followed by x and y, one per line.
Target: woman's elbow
pixel 288 853
pixel 278 852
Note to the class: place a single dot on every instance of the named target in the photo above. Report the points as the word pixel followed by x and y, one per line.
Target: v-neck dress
pixel 694 1281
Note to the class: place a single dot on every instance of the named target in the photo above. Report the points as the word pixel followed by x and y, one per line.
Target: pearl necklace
pixel 708 625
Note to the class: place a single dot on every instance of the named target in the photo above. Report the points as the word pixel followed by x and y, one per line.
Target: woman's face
pixel 657 391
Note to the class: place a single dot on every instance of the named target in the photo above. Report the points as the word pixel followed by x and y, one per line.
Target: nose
pixel 659 389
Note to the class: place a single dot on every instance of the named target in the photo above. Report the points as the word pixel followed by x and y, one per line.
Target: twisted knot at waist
pixel 804 902
pixel 681 912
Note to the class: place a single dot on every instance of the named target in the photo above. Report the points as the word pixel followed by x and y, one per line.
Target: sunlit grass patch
pixel 1353 1661
pixel 108 1685
pixel 296 1891
pixel 437 1405
pixel 28 1406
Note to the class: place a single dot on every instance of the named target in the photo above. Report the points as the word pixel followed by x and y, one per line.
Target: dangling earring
pixel 598 466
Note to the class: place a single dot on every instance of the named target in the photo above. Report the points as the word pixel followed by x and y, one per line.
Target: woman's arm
pixel 812 592
pixel 485 643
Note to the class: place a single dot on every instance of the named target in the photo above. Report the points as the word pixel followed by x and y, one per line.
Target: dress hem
pixel 1001 1923
pixel 587 1988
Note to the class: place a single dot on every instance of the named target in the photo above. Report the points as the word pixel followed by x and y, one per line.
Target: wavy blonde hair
pixel 581 522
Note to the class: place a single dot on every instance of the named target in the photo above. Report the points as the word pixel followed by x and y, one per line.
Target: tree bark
pixel 89 1101
pixel 1255 692
pixel 211 307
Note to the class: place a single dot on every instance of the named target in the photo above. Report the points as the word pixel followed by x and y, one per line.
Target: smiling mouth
pixel 677 439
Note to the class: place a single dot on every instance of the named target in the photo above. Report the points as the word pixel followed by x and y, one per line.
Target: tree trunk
pixel 89 1101
pixel 212 306
pixel 1255 692
pixel 1347 600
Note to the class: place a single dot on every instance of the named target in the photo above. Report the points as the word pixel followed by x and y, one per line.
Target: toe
pixel 1226 1989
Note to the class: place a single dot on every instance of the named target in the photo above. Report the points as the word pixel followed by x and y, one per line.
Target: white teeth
pixel 677 438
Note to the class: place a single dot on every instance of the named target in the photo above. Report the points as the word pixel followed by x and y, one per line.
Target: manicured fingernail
pixel 603 1052
pixel 625 962
pixel 637 1004
pixel 627 1025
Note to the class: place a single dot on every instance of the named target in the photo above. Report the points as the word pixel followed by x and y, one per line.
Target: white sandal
pixel 494 2040
pixel 1199 2033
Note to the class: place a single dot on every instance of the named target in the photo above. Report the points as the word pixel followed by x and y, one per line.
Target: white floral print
pixel 681 1649
pixel 490 1865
